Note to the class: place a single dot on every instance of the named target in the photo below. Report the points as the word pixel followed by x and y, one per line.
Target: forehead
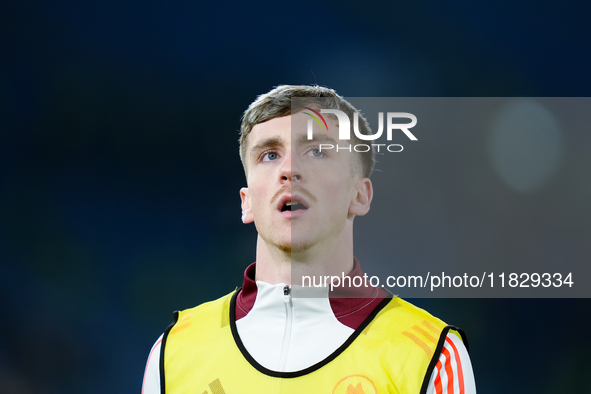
pixel 275 126
pixel 290 129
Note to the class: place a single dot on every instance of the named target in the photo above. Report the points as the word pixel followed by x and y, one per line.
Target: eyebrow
pixel 318 138
pixel 274 142
pixel 265 144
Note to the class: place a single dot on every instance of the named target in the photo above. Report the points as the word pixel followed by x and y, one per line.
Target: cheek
pixel 258 197
pixel 337 196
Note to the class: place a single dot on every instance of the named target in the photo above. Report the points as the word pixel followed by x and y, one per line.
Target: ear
pixel 246 207
pixel 362 199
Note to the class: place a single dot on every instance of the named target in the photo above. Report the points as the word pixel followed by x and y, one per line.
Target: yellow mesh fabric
pixel 391 355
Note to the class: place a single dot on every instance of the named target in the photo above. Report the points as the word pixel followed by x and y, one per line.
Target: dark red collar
pixel 351 310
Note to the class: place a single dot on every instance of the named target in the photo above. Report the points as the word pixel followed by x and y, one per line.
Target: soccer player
pixel 263 338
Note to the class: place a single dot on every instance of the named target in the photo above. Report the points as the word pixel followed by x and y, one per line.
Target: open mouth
pixel 292 206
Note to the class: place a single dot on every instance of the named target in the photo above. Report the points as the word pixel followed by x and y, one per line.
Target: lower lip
pixel 293 214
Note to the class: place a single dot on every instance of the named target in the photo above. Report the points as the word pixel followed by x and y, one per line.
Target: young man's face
pixel 298 196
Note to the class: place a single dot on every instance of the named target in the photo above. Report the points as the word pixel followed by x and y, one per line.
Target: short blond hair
pixel 277 103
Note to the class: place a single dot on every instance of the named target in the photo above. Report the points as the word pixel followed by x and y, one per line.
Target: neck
pixel 329 258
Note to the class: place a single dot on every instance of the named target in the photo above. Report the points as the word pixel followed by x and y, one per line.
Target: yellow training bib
pixel 393 351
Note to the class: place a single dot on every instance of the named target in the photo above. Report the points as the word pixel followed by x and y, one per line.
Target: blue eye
pixel 316 152
pixel 270 156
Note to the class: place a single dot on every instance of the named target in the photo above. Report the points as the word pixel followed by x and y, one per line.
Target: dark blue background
pixel 119 167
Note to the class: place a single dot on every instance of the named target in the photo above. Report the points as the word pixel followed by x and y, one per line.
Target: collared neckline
pixel 351 310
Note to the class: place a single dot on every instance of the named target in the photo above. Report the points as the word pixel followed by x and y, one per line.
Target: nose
pixel 290 171
pixel 295 177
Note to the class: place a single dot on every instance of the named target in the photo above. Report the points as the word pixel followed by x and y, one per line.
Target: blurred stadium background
pixel 119 167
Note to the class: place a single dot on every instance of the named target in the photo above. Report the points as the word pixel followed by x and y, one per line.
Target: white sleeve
pixel 453 372
pixel 151 384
